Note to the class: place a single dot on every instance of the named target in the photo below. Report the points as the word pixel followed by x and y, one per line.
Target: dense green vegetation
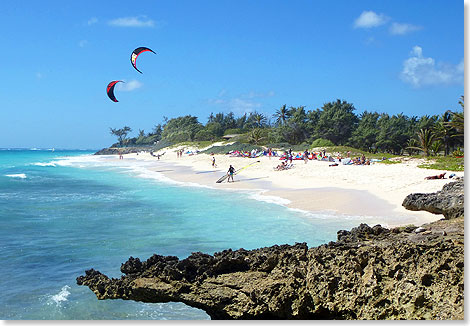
pixel 335 124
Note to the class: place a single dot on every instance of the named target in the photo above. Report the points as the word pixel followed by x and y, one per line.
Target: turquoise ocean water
pixel 62 212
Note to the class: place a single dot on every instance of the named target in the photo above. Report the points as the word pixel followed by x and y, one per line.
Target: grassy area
pixel 198 144
pixel 447 163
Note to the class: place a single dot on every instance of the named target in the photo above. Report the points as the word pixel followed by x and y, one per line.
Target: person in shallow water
pixel 230 172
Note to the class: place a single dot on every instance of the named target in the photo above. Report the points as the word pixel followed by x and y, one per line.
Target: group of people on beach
pixel 179 153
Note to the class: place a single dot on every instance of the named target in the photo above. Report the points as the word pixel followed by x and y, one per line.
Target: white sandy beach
pixel 374 190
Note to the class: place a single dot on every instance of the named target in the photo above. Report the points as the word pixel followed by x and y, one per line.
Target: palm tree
pixel 259 119
pixel 425 140
pixel 457 121
pixel 255 136
pixel 411 145
pixel 436 147
pixel 444 131
pixel 282 115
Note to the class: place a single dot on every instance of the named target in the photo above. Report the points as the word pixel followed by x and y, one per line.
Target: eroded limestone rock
pixel 369 273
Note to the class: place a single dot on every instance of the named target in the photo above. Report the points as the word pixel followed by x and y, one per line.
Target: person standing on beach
pixel 213 162
pixel 230 172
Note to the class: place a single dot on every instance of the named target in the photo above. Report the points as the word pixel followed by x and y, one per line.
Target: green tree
pixel 337 122
pixel 457 120
pixel 436 147
pixel 282 115
pixel 241 122
pixel 294 130
pixel 121 133
pixel 444 132
pixel 425 138
pixel 157 132
pixel 256 120
pixel 256 136
pixel 394 133
pixel 311 122
pixel 411 145
pixel 365 135
pixel 141 138
pixel 181 129
pixel 215 129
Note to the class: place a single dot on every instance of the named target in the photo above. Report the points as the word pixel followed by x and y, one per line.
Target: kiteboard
pixel 223 178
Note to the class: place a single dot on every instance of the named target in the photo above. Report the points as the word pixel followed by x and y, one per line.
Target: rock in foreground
pixel 369 273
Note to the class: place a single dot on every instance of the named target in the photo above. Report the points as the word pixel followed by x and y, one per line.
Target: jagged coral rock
pixel 369 273
pixel 449 201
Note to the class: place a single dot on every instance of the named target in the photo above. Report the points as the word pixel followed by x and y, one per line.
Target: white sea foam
pixel 44 164
pixel 269 199
pixel 60 297
pixel 18 175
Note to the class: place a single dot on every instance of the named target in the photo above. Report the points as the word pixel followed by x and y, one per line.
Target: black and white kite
pixel 136 53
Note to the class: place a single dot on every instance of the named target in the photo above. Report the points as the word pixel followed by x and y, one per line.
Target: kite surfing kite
pixel 110 89
pixel 136 53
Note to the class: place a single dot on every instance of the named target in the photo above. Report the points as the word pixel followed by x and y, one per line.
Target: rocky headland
pixel 368 273
pixel 121 150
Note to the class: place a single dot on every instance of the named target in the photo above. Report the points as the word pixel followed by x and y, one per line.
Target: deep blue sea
pixel 62 212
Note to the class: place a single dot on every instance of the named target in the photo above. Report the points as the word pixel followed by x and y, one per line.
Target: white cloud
pixel 92 20
pixel 236 105
pixel 258 94
pixel 421 71
pixel 82 43
pixel 239 105
pixel 402 29
pixel 244 103
pixel 140 21
pixel 129 86
pixel 370 19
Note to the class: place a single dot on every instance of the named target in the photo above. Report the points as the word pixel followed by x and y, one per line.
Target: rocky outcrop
pixel 368 273
pixel 449 201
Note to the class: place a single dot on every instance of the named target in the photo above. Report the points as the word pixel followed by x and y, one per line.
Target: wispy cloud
pixel 38 75
pixel 244 103
pixel 421 71
pixel 129 86
pixel 253 94
pixel 139 21
pixel 240 105
pixel 369 19
pixel 92 21
pixel 82 43
pixel 403 28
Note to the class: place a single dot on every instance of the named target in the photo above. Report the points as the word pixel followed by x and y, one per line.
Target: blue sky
pixel 218 56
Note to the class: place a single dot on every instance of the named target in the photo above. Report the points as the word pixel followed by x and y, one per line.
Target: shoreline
pixel 293 188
